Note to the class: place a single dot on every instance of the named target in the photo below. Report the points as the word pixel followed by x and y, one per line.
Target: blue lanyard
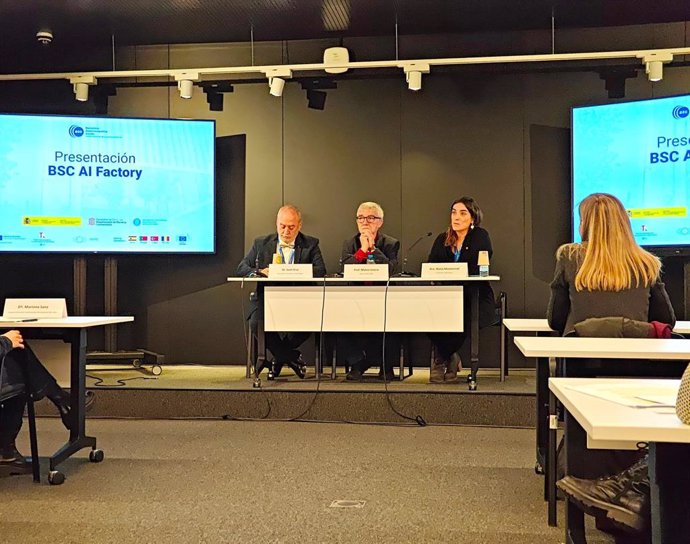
pixel 292 257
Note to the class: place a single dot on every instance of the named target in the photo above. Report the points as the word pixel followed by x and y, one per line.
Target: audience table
pixel 592 421
pixel 572 349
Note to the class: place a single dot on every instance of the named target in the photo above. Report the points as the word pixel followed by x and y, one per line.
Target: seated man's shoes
pixel 388 376
pixel 299 367
pixel 12 462
pixel 623 498
pixel 355 375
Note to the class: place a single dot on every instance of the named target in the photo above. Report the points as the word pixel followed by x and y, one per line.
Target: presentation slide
pixel 111 185
pixel 639 152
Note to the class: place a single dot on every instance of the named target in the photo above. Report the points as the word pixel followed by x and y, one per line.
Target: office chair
pixel 9 391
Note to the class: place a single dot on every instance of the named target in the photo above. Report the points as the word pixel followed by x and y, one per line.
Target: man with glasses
pixel 362 350
pixel 288 246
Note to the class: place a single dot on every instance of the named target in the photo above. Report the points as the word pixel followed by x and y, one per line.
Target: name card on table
pixel 290 271
pixel 444 271
pixel 371 272
pixel 34 308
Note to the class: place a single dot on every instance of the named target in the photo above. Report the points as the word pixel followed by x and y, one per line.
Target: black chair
pixel 9 391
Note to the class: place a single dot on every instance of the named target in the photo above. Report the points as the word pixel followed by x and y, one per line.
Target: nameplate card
pixel 34 308
pixel 444 271
pixel 371 272
pixel 290 271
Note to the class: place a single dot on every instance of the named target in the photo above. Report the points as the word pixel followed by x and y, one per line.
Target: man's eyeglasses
pixel 367 218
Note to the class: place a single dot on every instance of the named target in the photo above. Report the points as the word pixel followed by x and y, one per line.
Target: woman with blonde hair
pixel 607 274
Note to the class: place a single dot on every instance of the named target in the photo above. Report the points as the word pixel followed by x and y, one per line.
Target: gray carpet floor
pixel 206 481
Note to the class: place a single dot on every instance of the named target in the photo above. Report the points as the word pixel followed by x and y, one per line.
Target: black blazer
pixel 386 250
pixel 477 240
pixel 306 251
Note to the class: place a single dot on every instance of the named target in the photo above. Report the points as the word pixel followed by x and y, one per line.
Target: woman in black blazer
pixel 461 242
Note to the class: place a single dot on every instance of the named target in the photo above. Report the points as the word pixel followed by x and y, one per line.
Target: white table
pixel 407 309
pixel 546 348
pixel 589 417
pixel 514 324
pixel 73 331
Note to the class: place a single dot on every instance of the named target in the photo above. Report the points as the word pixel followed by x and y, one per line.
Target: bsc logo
pixel 77 132
pixel 681 112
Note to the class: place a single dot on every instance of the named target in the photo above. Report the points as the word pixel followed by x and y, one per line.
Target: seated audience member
pixel 19 365
pixel 608 275
pixel 362 350
pixel 461 243
pixel 293 247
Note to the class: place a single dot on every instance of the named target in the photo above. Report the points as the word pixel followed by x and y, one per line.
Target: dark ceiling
pixel 138 22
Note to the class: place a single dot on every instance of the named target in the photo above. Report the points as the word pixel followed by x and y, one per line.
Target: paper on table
pixel 630 394
pixel 665 399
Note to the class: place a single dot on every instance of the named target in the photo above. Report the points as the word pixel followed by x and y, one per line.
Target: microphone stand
pixel 403 273
pixel 256 273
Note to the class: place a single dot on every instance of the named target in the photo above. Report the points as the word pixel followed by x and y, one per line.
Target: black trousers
pixel 447 343
pixel 21 366
pixel 283 345
pixel 362 350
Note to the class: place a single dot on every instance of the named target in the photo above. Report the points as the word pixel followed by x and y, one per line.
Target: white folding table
pixel 73 331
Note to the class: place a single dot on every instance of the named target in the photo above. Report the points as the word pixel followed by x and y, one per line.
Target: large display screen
pixel 103 184
pixel 639 152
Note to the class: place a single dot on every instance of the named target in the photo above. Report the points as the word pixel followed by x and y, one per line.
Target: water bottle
pixel 483 263
pixel 370 259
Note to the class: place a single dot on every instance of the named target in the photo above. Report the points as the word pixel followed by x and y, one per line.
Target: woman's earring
pixel 471 225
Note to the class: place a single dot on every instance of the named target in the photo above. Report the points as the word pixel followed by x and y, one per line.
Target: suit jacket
pixel 386 250
pixel 476 240
pixel 306 251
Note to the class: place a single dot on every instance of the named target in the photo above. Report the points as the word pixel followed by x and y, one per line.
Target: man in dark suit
pixel 362 350
pixel 292 247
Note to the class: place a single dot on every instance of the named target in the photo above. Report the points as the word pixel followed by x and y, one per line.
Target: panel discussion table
pixel 73 331
pixel 574 348
pixel 593 422
pixel 342 305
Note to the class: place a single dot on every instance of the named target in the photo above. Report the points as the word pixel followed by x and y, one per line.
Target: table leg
pixel 551 462
pixel 669 478
pixel 474 337
pixel 542 375
pixel 77 436
pixel 576 460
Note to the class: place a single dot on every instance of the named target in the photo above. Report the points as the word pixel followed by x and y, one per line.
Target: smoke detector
pixel 335 56
pixel 44 37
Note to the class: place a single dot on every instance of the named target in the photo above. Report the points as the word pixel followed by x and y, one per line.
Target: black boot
pixel 623 498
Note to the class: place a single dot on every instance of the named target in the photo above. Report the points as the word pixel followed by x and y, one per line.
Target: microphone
pixel 403 273
pixel 256 273
pixel 341 266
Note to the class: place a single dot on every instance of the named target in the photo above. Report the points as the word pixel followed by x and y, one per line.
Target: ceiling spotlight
pixel 80 85
pixel 654 65
pixel 276 86
pixel 655 70
pixel 413 74
pixel 185 83
pixel 276 80
pixel 186 88
pixel 414 81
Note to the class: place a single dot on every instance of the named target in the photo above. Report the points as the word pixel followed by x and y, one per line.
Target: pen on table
pixel 27 320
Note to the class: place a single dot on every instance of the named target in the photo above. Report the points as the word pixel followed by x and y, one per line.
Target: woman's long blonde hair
pixel 609 258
